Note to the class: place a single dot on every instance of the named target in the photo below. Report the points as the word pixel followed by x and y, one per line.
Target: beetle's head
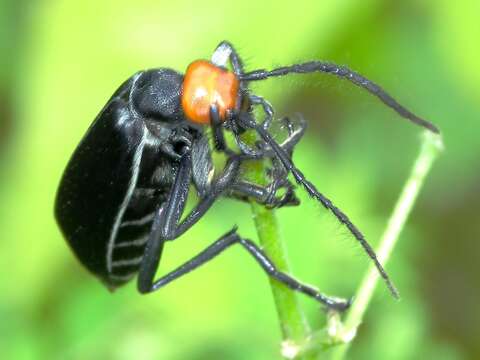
pixel 206 85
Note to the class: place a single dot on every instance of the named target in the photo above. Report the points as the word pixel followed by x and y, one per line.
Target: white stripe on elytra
pixel 137 242
pixel 142 221
pixel 127 262
pixel 137 157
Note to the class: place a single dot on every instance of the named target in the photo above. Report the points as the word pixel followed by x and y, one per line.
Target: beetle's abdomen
pixel 205 85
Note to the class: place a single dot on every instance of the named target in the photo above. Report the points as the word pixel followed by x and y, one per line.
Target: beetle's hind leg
pixel 232 238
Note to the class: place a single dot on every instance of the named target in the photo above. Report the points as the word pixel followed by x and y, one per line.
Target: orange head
pixel 205 85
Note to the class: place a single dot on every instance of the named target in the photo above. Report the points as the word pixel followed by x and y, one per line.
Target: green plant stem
pixel 293 323
pixel 431 146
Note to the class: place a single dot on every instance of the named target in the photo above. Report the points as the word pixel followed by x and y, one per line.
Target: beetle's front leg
pixel 288 198
pixel 264 195
pixel 277 193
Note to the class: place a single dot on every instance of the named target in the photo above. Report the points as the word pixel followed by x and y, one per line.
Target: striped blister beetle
pixel 124 191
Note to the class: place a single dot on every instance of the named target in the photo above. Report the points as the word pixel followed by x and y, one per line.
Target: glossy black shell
pixel 117 176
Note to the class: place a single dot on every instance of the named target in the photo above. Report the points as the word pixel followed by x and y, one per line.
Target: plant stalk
pixel 431 147
pixel 293 324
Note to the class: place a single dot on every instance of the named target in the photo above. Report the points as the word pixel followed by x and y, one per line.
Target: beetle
pixel 123 193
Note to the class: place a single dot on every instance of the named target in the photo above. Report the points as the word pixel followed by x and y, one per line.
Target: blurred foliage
pixel 61 60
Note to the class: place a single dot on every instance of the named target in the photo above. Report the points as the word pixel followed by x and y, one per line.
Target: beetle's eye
pixel 205 85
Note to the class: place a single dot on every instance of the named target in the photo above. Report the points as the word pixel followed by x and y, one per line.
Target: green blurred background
pixel 60 62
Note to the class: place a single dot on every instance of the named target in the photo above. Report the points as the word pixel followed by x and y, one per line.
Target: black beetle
pixel 124 191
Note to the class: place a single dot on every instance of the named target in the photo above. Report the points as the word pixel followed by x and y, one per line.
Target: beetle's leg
pixel 217 130
pixel 166 224
pixel 232 238
pixel 166 218
pixel 165 228
pixel 203 168
pixel 295 133
pixel 223 182
pixel 295 130
pixel 267 109
pixel 249 122
pixel 203 171
pixel 265 195
pixel 243 190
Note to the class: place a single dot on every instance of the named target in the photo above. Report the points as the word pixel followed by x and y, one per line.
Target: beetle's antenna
pixel 346 73
pixel 313 192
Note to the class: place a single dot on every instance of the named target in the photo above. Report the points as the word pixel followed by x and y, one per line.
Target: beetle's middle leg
pixel 268 195
pixel 166 223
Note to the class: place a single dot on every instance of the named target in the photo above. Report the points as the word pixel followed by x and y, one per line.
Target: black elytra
pixel 124 190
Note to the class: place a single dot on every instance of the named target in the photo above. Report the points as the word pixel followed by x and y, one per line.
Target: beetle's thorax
pixel 156 95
